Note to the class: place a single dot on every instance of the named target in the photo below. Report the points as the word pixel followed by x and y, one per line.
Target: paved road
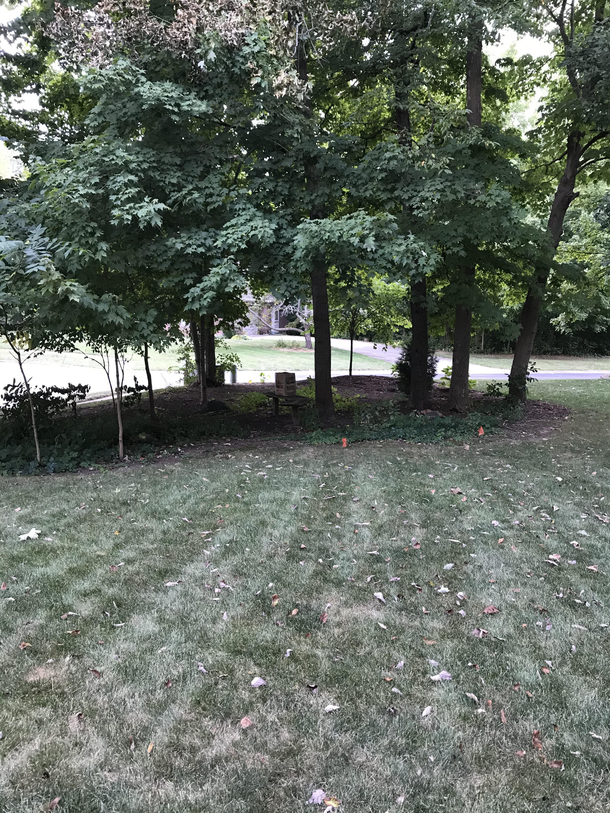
pixel 477 371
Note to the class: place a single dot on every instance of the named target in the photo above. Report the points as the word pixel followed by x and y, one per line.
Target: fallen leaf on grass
pixel 316 798
pixel 150 747
pixel 331 802
pixel 3 586
pixel 258 681
pixel 380 597
pixel 427 711
pixel 32 534
pixel 472 697
pixel 481 431
pixel 53 804
pixel 75 721
pixel 201 668
pixel 324 618
pixel 428 641
pixel 593 568
pixel 383 626
pixel 520 753
pixel 172 584
pixel 400 665
pixel 330 708
pixel 479 633
pixel 245 722
pixel 491 610
pixel 443 589
pixel 24 645
pixel 456 490
pixel 441 676
pixel 274 600
pixel 95 673
pixel 295 611
pixel 536 741
pixel 595 736
pixel 503 716
pixel 556 763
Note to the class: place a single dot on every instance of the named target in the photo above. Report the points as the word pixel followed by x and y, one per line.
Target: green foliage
pixel 414 428
pixel 343 403
pixel 445 379
pixel 15 417
pixel 402 369
pixel 282 344
pixel 250 402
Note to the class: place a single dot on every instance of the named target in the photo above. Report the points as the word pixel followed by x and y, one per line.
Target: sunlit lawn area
pixel 543 363
pixel 261 354
pixel 133 627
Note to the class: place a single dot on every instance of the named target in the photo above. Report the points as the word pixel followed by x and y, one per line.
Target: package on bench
pixel 285 384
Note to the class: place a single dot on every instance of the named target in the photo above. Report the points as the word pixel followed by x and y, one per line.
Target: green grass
pixel 261 354
pixel 543 363
pixel 324 529
pixel 255 355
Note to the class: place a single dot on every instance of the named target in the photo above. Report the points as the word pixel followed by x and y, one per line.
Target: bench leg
pixel 295 416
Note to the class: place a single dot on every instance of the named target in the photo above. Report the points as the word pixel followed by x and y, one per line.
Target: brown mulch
pixel 539 418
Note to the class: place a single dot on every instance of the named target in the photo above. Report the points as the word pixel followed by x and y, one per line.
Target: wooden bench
pixel 295 402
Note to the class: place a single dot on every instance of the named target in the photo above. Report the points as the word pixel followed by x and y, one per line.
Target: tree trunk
pixel 196 349
pixel 119 402
pixel 458 390
pixel 517 380
pixel 210 354
pixel 151 392
pixel 26 384
pixel 322 350
pixel 319 283
pixel 419 345
pixel 203 390
pixel 351 352
pixel 308 344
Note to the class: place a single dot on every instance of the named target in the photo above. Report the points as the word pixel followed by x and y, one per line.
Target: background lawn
pixel 264 562
pixel 543 363
pixel 261 354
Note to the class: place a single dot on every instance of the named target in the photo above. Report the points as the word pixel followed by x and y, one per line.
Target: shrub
pixel 250 402
pixel 48 402
pixel 445 380
pixel 402 369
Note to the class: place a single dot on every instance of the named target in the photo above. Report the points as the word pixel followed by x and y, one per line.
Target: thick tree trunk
pixel 322 348
pixel 530 312
pixel 308 344
pixel 458 390
pixel 119 402
pixel 151 392
pixel 419 345
pixel 319 266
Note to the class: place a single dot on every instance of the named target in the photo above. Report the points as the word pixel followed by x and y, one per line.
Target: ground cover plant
pixel 142 607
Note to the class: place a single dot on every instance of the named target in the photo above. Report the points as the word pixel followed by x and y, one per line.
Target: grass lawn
pixel 545 364
pixel 254 354
pixel 249 562
pixel 262 354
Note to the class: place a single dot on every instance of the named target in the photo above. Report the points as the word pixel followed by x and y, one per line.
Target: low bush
pixel 402 369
